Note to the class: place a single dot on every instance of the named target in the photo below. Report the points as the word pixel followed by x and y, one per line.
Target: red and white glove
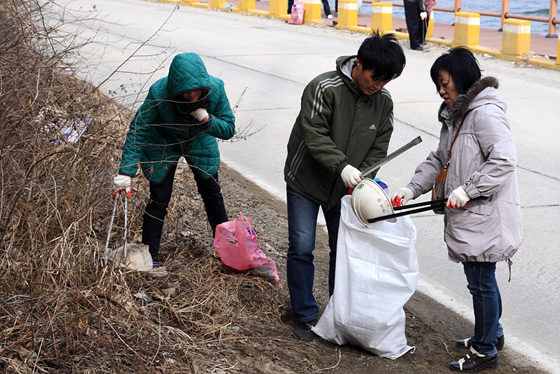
pixel 121 184
pixel 423 15
pixel 457 199
pixel 350 176
pixel 401 197
pixel 200 114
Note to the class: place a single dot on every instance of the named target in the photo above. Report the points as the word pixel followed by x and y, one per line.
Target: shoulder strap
pixel 456 134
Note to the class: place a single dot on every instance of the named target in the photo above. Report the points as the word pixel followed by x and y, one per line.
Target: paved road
pixel 266 64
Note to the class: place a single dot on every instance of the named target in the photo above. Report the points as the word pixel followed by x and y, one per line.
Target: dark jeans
pixel 302 227
pixel 160 195
pixel 487 305
pixel 416 27
pixel 326 6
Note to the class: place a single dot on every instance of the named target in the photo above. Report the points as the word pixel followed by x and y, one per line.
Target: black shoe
pixel 303 331
pixel 474 362
pixel 417 48
pixel 466 343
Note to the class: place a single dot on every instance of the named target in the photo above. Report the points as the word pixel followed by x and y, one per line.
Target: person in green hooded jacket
pixel 182 116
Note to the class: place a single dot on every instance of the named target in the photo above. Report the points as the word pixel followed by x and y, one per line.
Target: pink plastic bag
pixel 236 243
pixel 430 4
pixel 296 18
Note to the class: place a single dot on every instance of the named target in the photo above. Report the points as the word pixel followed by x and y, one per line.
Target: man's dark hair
pixel 461 65
pixel 384 55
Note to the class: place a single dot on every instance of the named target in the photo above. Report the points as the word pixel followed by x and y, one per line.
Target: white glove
pixel 200 114
pixel 350 176
pixel 423 15
pixel 122 183
pixel 457 199
pixel 401 197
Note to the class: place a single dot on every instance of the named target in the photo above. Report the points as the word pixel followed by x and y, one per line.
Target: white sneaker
pixel 329 16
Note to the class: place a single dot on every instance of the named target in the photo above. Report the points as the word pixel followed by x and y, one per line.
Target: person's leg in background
pixel 413 24
pixel 156 209
pixel 327 8
pixel 290 5
pixel 209 190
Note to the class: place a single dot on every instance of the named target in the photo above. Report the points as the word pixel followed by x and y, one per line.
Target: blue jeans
pixel 302 228
pixel 487 305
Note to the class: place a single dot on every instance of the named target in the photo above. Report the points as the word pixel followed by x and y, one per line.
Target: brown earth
pixel 430 327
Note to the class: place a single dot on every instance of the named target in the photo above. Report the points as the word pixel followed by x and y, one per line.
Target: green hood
pixel 186 73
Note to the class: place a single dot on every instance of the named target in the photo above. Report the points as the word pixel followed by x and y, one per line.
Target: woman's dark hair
pixel 461 64
pixel 384 55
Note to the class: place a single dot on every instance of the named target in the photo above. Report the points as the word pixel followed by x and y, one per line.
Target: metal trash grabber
pixel 391 156
pixel 125 223
pixel 421 207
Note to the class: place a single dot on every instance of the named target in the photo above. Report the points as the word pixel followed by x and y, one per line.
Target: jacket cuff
pixel 341 166
pixel 471 190
pixel 128 175
pixel 208 124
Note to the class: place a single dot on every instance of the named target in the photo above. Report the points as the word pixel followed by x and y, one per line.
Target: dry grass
pixel 62 309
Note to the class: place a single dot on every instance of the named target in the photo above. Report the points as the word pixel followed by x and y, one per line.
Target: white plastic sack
pixel 376 274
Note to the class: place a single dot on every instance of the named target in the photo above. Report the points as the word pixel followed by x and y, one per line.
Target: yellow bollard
pixel 216 4
pixel 347 14
pixel 312 14
pixel 430 31
pixel 278 8
pixel 467 29
pixel 516 38
pixel 558 53
pixel 382 17
pixel 247 5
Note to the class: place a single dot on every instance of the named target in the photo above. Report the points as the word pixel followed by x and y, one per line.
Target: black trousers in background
pixel 160 195
pixel 326 6
pixel 416 27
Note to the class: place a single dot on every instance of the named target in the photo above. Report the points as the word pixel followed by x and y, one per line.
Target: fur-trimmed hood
pixel 469 100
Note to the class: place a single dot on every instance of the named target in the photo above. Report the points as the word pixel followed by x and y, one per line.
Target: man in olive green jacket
pixel 182 115
pixel 344 125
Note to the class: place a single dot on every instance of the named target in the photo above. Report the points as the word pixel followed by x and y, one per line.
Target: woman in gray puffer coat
pixel 483 216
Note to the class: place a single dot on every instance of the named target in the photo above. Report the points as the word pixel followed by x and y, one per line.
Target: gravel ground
pixel 430 327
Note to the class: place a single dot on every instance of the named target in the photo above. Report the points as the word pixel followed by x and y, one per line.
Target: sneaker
pixel 155 264
pixel 329 16
pixel 303 331
pixel 474 362
pixel 466 343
